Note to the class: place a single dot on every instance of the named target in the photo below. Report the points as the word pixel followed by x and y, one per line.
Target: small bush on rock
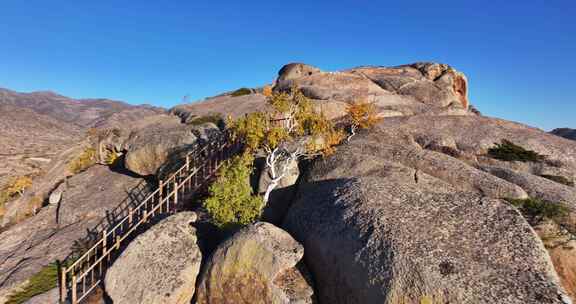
pixel 85 160
pixel 241 92
pixel 215 118
pixel 111 158
pixel 17 185
pixel 536 210
pixel 559 179
pixel 41 282
pixel 361 114
pixel 292 130
pixel 231 202
pixel 508 151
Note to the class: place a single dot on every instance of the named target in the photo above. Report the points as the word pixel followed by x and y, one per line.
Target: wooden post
pixel 175 193
pixel 74 290
pixel 130 211
pixel 160 190
pixel 63 294
pixel 104 241
pixel 117 242
pixel 145 216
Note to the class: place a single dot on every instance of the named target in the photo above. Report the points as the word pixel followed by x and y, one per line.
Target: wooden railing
pixel 80 275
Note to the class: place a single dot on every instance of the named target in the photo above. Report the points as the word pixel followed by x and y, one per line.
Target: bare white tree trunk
pixel 353 129
pixel 274 158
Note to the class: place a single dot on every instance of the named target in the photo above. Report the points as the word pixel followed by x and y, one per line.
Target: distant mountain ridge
pixel 81 112
pixel 565 132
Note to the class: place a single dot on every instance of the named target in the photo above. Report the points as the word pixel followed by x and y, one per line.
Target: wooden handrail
pixel 88 268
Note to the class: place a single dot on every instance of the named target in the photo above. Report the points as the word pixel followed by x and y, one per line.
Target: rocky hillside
pixel 434 204
pixel 565 132
pixel 41 133
pixel 54 122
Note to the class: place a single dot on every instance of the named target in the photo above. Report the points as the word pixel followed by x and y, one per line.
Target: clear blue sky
pixel 519 56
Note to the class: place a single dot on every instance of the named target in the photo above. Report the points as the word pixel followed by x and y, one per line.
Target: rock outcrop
pixel 539 187
pixel 382 227
pixel 159 266
pixel 256 265
pixel 403 90
pixel 149 148
pixel 88 203
pixel 561 246
pixel 224 105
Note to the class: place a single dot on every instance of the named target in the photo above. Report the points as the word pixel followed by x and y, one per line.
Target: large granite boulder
pixel 561 246
pixel 259 264
pixel 296 70
pixel 159 266
pixel 386 220
pixel 403 90
pixel 149 148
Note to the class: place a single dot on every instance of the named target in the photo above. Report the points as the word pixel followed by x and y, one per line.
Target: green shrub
pixel 241 92
pixel 559 179
pixel 85 160
pixel 231 202
pixel 508 151
pixel 215 118
pixel 535 210
pixel 41 282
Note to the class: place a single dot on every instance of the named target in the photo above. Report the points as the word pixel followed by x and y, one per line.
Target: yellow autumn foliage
pixel 362 114
pixel 18 184
pixel 292 115
pixel 86 159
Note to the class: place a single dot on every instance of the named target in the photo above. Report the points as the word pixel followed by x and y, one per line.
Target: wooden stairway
pixel 80 276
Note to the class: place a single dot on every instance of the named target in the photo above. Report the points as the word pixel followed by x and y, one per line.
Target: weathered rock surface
pixel 53 174
pixel 40 240
pixel 539 187
pixel 565 132
pixel 392 225
pixel 149 148
pixel 561 245
pixel 474 135
pixel 534 168
pixel 223 104
pixel 89 195
pixel 296 70
pixel 403 90
pixel 51 296
pixel 159 266
pixel 256 265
